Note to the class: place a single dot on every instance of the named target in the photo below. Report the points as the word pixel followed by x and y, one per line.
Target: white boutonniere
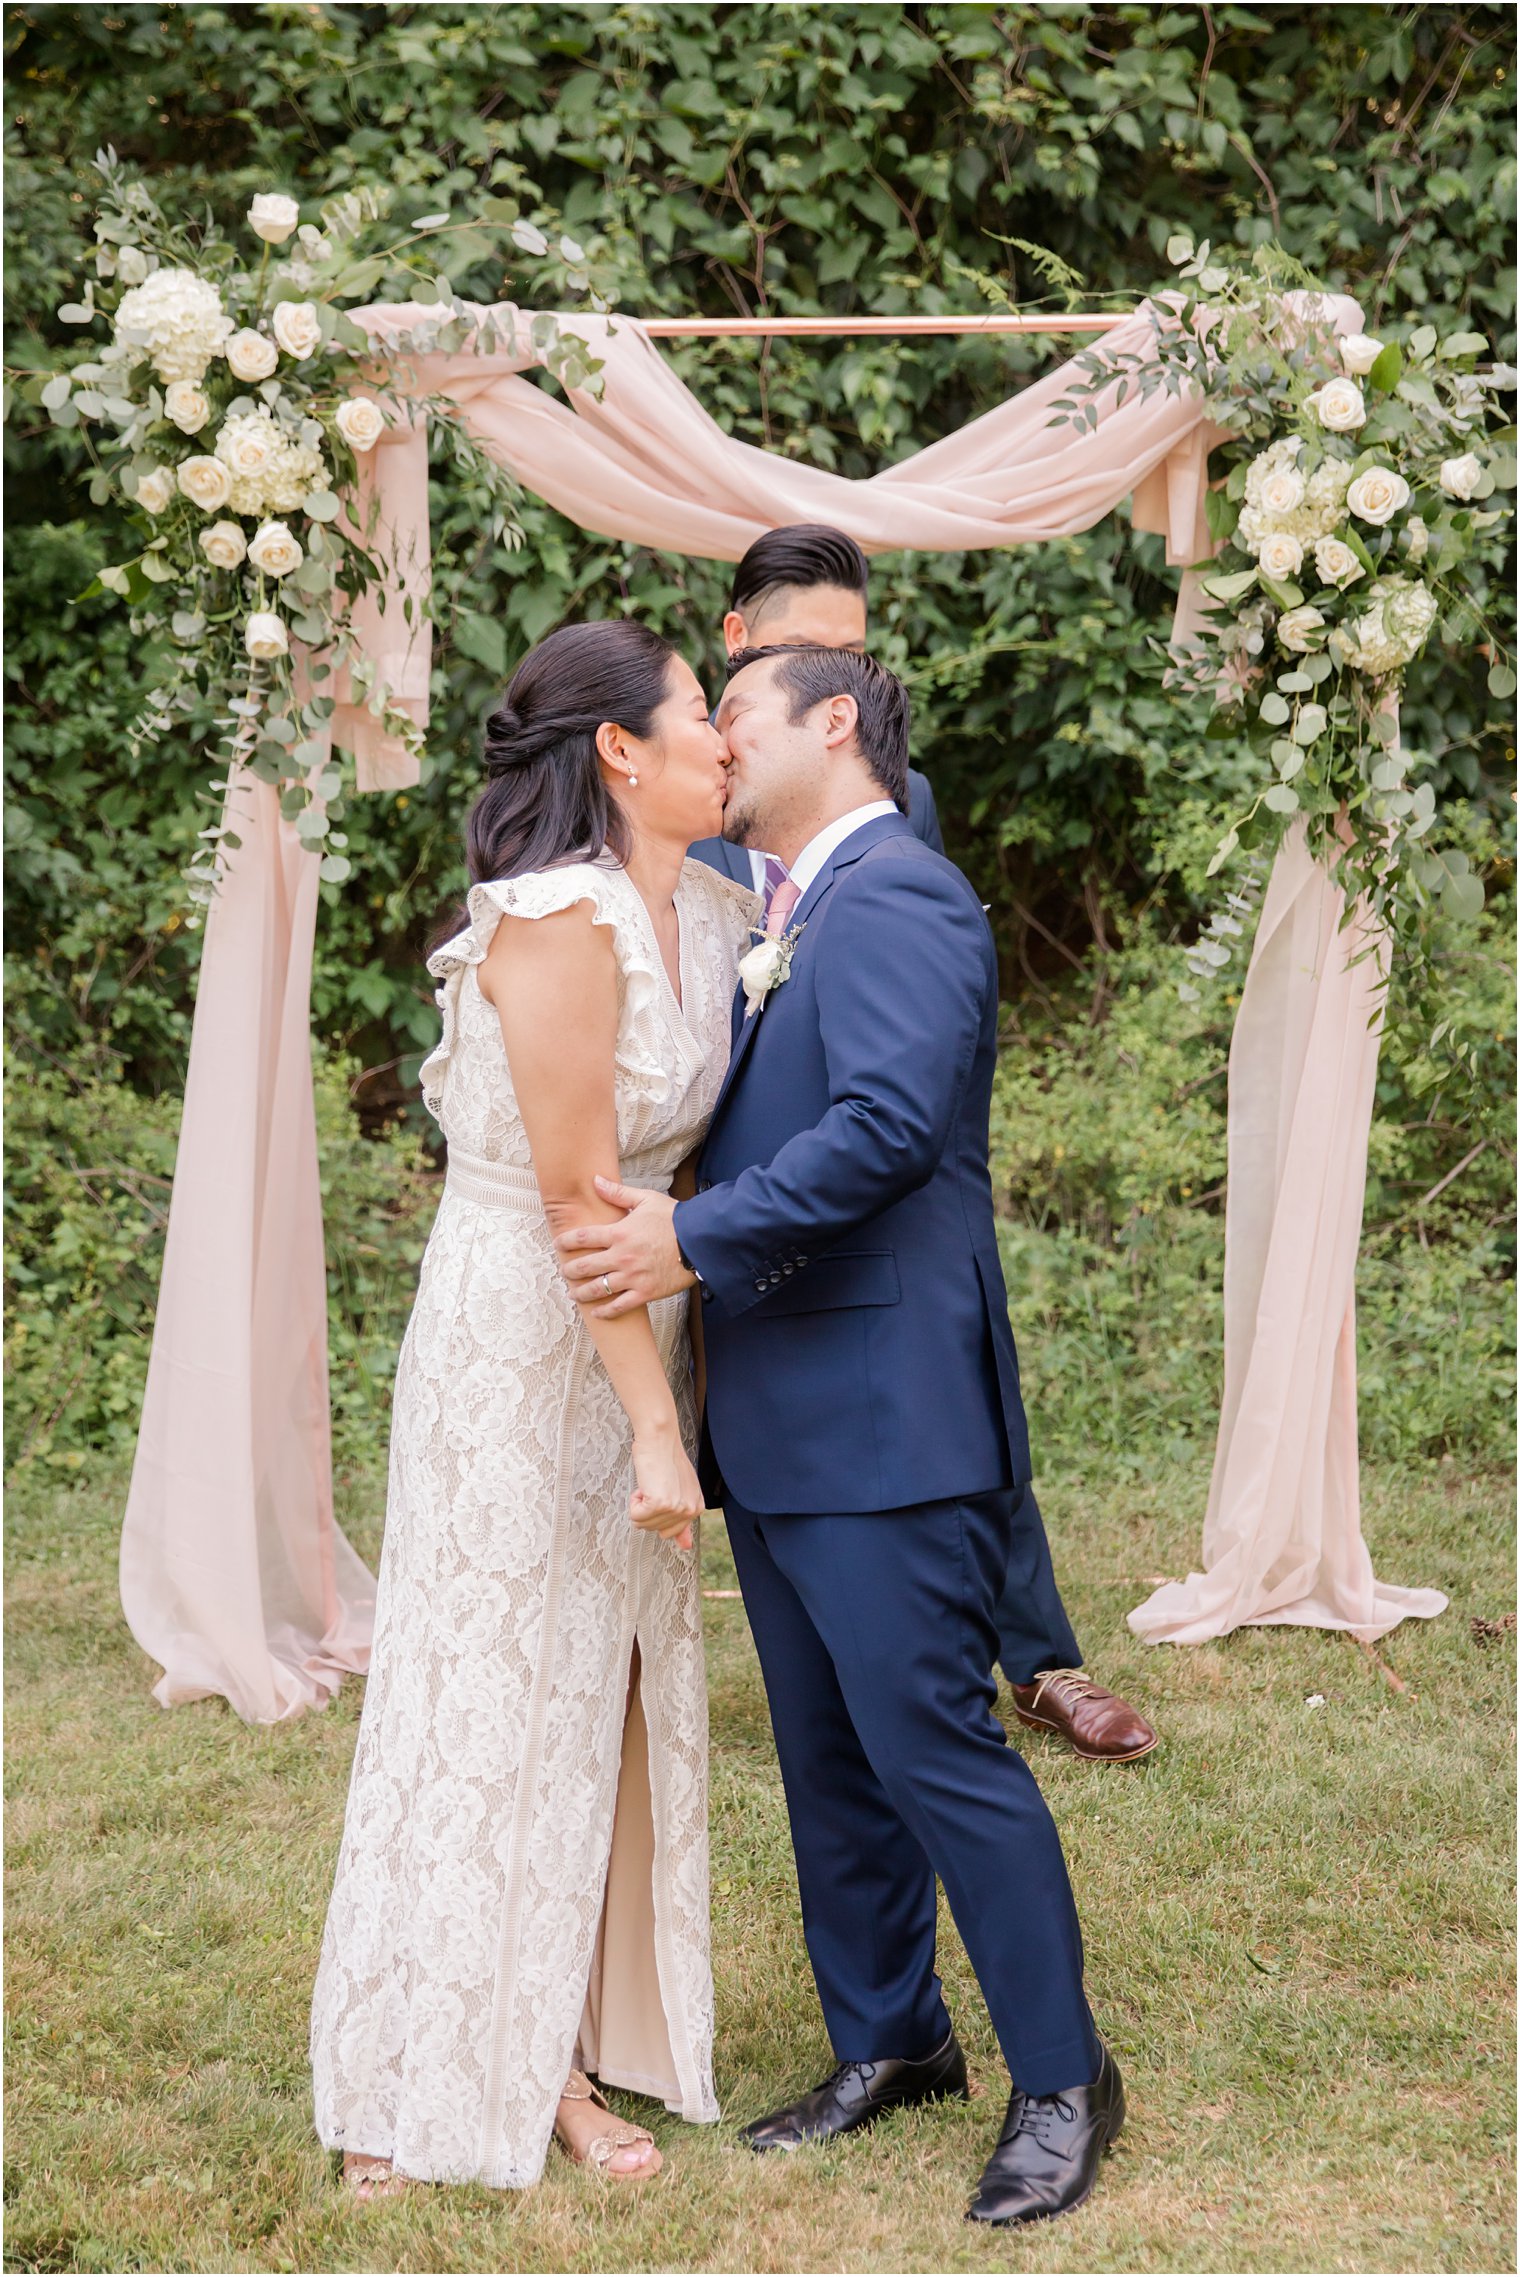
pixel 766 966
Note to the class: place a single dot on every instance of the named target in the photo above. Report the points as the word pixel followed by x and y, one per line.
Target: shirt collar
pixel 818 850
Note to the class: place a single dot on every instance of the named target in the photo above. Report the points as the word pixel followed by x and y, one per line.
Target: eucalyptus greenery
pixel 1346 498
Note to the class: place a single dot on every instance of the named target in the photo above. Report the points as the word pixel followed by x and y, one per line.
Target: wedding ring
pixel 606 1284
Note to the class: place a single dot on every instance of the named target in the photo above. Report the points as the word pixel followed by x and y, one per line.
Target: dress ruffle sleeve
pixel 644 1045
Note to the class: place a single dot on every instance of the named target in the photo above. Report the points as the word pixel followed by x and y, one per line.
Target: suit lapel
pixel 859 842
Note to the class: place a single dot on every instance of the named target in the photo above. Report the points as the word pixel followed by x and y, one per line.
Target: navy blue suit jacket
pixel 923 817
pixel 859 1355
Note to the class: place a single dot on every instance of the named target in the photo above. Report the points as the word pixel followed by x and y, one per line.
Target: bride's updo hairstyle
pixel 545 800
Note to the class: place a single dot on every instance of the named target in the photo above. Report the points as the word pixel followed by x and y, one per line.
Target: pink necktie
pixel 783 901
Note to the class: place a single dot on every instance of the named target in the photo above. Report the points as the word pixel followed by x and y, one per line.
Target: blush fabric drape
pixel 234 1576
pixel 1282 1538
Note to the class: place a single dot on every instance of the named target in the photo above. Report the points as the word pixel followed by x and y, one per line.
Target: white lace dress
pixel 503 1784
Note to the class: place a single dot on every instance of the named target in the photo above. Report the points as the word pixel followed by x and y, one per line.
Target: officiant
pixel 806 586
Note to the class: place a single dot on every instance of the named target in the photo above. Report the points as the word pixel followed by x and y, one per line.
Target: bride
pixel 521 1894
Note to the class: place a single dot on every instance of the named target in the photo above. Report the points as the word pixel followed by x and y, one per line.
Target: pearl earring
pixel 633 782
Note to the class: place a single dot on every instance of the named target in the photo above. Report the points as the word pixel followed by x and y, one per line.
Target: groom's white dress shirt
pixel 817 850
pixel 833 835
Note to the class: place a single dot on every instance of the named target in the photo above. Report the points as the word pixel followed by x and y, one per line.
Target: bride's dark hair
pixel 545 800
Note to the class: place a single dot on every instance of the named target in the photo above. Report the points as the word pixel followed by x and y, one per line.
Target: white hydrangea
pixel 1393 629
pixel 272 472
pixel 177 320
pixel 1321 499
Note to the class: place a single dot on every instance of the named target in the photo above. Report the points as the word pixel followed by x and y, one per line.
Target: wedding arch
pixel 235 1576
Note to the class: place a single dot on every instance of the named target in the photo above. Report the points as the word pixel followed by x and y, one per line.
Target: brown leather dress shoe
pixel 1096 1722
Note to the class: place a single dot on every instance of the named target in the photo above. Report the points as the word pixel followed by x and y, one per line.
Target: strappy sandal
pixel 370 2178
pixel 603 2148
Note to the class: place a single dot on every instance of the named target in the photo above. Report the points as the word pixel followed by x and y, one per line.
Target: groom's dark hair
pixel 883 714
pixel 802 553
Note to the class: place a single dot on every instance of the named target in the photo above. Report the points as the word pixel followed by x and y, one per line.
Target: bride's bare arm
pixel 553 983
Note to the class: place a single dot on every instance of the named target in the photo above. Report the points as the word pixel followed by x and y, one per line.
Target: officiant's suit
pixel 1033 1630
pixel 863 1407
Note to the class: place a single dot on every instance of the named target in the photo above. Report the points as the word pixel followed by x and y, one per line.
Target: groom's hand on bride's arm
pixel 613 1269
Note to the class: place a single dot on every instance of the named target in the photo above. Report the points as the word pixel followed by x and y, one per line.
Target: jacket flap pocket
pixel 836 1283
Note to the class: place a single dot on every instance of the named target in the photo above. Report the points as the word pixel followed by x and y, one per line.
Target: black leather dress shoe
pixel 1048 2153
pixel 857 2094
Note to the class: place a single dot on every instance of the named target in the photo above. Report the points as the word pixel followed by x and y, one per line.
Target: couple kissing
pixel 717 1229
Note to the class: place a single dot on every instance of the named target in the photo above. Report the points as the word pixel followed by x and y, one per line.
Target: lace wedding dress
pixel 524 1858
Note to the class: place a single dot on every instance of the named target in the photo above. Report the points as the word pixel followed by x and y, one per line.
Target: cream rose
pixel 296 328
pixel 1282 492
pixel 1336 563
pixel 248 446
pixel 1377 494
pixel 224 544
pixel 188 406
pixel 205 482
pixel 1359 353
pixel 1460 477
pixel 1297 628
pixel 361 423
pixel 264 636
pixel 155 489
pixel 273 217
pixel 1281 555
pixel 1339 405
pixel 274 550
pixel 251 356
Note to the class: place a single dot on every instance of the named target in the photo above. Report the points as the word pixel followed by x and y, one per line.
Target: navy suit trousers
pixel 876 1634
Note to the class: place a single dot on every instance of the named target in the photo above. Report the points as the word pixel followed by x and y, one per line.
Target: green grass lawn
pixel 1297 1917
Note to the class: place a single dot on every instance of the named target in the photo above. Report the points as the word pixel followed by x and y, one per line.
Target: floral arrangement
pixel 1350 492
pixel 229 409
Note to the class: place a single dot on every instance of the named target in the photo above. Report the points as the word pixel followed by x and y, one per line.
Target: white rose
pixel 155 489
pixel 1460 477
pixel 264 636
pixel 760 969
pixel 131 265
pixel 1336 563
pixel 249 445
pixel 1281 555
pixel 1377 494
pixel 360 423
pixel 1282 492
pixel 274 550
pixel 1296 630
pixel 224 544
pixel 296 328
pixel 205 482
pixel 187 405
pixel 1359 354
pixel 1338 405
pixel 251 356
pixel 273 217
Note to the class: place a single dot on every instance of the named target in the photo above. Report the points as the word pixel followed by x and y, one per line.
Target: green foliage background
pixel 791 159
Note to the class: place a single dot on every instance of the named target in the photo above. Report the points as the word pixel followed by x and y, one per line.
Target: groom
pixel 805 585
pixel 863 1404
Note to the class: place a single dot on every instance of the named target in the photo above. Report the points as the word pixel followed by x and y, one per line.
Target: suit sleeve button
pixel 762 1286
